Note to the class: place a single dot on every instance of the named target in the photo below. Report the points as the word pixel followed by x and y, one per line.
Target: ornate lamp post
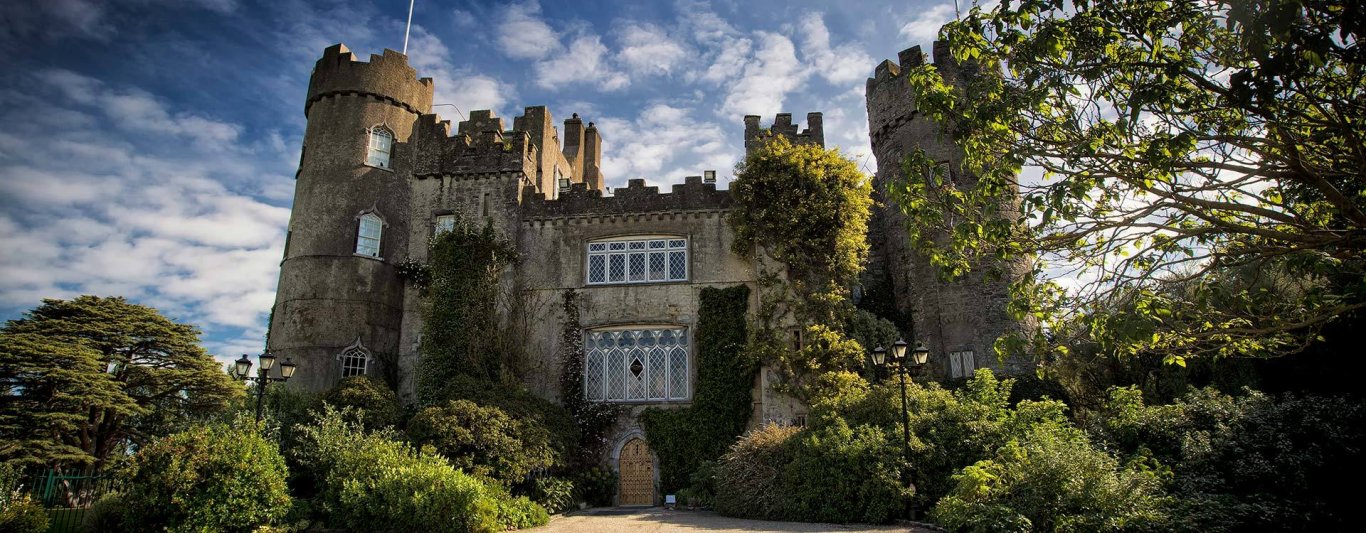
pixel 902 366
pixel 242 366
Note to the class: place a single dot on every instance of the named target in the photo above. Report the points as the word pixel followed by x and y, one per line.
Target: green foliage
pixel 1052 479
pixel 825 354
pixel 948 429
pixel 484 441
pixel 1201 166
pixel 378 405
pixel 18 512
pixel 461 333
pixel 748 475
pixel 807 208
pixel 1251 462
pixel 593 419
pixel 371 481
pixel 106 514
pixel 208 478
pixel 555 494
pixel 684 438
pixel 843 474
pixel 596 485
pixel 59 405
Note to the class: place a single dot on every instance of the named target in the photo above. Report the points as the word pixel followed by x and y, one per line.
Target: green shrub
pixel 376 402
pixel 1052 480
pixel 555 494
pixel 842 474
pixel 20 514
pixel 211 477
pixel 1252 462
pixel 106 514
pixel 522 405
pixel 484 441
pixel 371 481
pixel 747 477
pixel 597 486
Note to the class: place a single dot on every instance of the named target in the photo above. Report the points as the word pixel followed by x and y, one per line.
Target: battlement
pixel 386 77
pixel 479 146
pixel 891 105
pixel 782 125
pixel 635 198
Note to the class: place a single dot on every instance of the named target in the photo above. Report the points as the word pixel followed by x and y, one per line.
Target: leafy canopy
pixel 1177 140
pixel 86 378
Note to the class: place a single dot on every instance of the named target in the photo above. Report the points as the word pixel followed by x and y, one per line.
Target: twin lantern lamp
pixel 918 356
pixel 242 366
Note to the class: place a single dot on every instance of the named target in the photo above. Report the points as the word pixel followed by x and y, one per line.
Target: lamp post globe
pixel 242 366
pixel 287 369
pixel 267 361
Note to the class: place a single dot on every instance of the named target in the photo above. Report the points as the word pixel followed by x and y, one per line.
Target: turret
pixel 782 125
pixel 335 309
pixel 592 159
pixel 959 320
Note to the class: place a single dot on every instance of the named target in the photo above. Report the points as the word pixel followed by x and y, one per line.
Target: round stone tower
pixel 340 300
pixel 959 321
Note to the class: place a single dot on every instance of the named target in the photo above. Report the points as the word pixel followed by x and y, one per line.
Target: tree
pixel 84 378
pixel 1183 145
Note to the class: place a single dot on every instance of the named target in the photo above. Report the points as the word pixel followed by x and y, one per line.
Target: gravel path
pixel 658 519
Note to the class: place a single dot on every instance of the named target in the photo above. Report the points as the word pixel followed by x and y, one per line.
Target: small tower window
pixel 444 223
pixel 368 235
pixel 355 360
pixel 381 143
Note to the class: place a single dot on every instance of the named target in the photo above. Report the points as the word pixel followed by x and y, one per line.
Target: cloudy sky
pixel 149 146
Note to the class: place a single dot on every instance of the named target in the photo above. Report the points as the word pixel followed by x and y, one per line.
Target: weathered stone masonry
pixel 331 297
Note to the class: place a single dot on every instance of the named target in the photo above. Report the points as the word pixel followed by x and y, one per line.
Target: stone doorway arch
pixel 636 468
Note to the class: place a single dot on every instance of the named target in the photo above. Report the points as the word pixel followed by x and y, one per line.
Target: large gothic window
pixel 636 365
pixel 368 235
pixel 381 143
pixel 637 260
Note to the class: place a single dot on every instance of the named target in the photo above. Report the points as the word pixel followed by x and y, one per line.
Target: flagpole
pixel 409 28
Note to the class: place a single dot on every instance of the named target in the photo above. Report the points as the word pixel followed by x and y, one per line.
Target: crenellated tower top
pixel 782 125
pixel 385 77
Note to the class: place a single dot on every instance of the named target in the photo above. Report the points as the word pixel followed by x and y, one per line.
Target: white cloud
pixel 459 86
pixel 586 61
pixel 664 143
pixel 845 63
pixel 648 49
pixel 771 73
pixel 137 204
pixel 924 26
pixel 522 34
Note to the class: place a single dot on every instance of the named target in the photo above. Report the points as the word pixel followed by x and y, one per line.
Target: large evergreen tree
pixel 83 379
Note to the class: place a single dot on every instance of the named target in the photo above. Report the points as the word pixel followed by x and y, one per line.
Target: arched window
pixel 381 143
pixel 638 364
pixel 355 360
pixel 368 235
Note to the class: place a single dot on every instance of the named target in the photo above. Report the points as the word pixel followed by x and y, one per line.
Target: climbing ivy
pixel 461 334
pixel 805 208
pixel 721 406
pixel 593 419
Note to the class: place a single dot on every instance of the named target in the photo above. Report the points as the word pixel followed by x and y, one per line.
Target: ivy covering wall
pixel 721 407
pixel 592 419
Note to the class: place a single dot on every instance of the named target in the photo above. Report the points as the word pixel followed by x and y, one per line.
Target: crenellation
pixel 755 136
pixel 636 197
pixel 386 76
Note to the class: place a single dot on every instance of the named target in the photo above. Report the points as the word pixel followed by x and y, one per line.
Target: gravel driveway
pixel 647 519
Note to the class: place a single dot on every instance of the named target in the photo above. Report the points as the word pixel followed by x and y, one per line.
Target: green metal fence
pixel 67 498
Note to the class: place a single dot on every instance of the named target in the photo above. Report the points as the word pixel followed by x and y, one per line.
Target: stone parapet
pixel 386 77
pixel 636 197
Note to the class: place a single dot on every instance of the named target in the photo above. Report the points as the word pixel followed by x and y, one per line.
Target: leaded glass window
pixel 641 260
pixel 354 360
pixel 634 365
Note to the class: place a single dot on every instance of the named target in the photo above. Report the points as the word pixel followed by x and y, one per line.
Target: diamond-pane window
pixel 597 270
pixel 637 261
pixel 631 365
pixel 678 265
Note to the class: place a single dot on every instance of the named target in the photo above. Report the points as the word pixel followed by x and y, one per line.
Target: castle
pixel 380 174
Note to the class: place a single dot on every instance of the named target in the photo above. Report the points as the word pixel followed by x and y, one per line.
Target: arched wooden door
pixel 637 468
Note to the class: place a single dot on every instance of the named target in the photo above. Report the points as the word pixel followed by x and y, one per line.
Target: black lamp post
pixel 242 366
pixel 902 366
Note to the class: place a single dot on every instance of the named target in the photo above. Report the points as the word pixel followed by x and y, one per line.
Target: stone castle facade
pixel 380 174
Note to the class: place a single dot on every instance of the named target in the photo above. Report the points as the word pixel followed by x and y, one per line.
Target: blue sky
pixel 149 146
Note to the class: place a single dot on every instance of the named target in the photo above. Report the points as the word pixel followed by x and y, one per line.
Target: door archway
pixel 636 467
